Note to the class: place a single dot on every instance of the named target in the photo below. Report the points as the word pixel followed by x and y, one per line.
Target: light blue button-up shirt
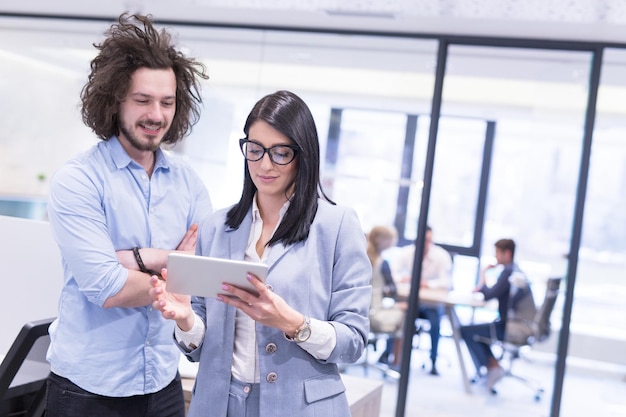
pixel 100 202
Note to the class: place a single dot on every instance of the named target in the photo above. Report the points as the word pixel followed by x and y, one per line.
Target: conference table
pixel 449 300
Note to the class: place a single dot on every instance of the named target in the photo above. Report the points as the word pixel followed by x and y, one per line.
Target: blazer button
pixel 270 348
pixel 271 377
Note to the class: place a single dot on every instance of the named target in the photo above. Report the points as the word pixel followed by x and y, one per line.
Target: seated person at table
pixel 436 274
pixel 384 318
pixel 516 297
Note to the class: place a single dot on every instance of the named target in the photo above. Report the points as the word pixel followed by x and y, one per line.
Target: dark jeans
pixel 66 399
pixel 477 336
pixel 433 315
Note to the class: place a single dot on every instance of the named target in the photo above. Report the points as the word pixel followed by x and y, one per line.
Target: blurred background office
pixel 529 129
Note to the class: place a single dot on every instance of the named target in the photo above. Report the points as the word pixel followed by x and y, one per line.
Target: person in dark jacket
pixel 476 336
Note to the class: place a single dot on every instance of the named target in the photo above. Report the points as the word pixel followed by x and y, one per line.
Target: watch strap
pixel 306 324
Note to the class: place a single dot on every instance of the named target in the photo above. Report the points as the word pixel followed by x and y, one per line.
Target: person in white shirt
pixel 436 274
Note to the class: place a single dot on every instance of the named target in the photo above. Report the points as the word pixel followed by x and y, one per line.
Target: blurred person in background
pixel 436 274
pixel 386 315
pixel 478 336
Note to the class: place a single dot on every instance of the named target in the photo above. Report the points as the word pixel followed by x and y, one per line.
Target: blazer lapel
pixel 237 239
pixel 277 252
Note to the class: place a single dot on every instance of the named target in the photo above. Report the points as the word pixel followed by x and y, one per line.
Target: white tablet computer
pixel 203 276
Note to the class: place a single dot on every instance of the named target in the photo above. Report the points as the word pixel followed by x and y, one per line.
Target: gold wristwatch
pixel 303 333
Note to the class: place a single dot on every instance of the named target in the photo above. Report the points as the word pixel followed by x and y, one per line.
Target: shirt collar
pixel 121 159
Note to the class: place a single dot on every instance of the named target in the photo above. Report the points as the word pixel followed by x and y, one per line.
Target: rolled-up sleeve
pixel 78 223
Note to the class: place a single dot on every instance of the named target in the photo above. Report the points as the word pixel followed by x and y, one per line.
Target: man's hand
pixel 483 279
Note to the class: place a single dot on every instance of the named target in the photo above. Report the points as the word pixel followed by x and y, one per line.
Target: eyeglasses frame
pixel 243 141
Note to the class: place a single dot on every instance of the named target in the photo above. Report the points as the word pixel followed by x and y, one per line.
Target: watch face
pixel 303 334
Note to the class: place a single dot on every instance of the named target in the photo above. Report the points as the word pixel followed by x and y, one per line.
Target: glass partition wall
pixel 598 319
pixel 535 101
pixel 506 164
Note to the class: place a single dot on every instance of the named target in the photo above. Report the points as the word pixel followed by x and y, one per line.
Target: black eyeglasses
pixel 279 154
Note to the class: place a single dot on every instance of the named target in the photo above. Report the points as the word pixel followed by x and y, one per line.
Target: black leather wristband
pixel 142 267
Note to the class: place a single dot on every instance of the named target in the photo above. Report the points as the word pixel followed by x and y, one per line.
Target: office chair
pixel 385 369
pixel 540 330
pixel 421 325
pixel 24 370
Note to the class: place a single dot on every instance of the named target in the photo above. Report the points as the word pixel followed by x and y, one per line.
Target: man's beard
pixel 134 141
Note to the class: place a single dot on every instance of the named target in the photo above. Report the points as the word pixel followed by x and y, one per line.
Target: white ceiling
pixel 582 20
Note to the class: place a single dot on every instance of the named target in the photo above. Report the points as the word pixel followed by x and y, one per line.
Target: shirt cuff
pixel 193 338
pixel 322 341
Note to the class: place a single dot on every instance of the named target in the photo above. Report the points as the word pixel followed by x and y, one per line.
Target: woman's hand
pixel 172 306
pixel 267 307
pixel 188 243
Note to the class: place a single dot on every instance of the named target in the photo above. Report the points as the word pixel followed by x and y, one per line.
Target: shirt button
pixel 144 176
pixel 271 377
pixel 270 348
pixel 246 389
pixel 147 343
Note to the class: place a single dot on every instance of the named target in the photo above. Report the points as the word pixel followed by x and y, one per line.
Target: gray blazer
pixel 326 277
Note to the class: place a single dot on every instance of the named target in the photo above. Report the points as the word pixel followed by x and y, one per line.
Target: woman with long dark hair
pixel 275 353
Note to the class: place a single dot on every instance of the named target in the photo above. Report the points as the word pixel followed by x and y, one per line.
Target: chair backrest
pixel 521 300
pixel 383 318
pixel 28 352
pixel 542 318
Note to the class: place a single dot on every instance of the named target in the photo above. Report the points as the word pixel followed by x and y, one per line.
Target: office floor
pixel 589 389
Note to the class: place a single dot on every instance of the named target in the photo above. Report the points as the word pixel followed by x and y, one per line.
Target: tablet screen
pixel 203 276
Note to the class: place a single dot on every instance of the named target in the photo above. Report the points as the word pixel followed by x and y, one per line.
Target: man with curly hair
pixel 116 212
